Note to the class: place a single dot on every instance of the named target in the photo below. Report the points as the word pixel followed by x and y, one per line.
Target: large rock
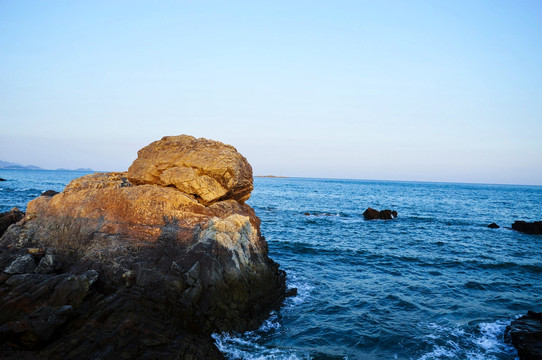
pixel 525 333
pixel 148 268
pixel 533 228
pixel 206 169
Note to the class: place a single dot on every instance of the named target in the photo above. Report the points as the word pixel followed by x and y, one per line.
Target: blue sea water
pixel 435 283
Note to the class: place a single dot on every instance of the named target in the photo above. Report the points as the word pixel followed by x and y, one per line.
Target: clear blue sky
pixel 404 90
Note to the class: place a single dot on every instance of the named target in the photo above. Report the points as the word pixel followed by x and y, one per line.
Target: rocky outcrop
pixel 533 228
pixel 372 214
pixel 207 170
pixel 144 264
pixel 525 333
pixel 1 179
pixel 8 218
pixel 493 226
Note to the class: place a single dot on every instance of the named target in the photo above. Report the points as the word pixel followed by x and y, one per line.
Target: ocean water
pixel 435 283
pixel 21 186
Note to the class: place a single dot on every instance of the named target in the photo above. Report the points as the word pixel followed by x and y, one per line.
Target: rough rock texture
pixel 372 214
pixel 525 333
pixel 206 169
pixel 112 268
pixel 9 217
pixel 533 228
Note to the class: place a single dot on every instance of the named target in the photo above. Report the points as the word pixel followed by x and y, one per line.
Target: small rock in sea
pixel 49 193
pixel 2 179
pixel 306 214
pixel 291 292
pixel 372 214
pixel 533 228
pixel 525 333
pixel 493 226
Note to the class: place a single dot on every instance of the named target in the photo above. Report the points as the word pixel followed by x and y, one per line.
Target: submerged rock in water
pixel 49 193
pixel 372 214
pixel 493 226
pixel 533 228
pixel 525 333
pixel 149 264
pixel 8 218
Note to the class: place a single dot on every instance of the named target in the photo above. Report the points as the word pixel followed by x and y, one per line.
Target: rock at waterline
pixel 525 333
pixel 493 226
pixel 49 193
pixel 9 217
pixel 1 179
pixel 372 214
pixel 533 228
pixel 148 268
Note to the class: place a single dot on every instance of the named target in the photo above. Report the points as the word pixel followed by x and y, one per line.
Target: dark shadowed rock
pixel 372 214
pixel 533 228
pixel 148 268
pixel 9 217
pixel 493 226
pixel 49 193
pixel 2 179
pixel 525 333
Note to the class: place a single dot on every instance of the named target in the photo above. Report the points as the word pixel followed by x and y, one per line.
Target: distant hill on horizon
pixel 8 165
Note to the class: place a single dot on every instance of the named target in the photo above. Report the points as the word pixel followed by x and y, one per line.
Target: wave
pixel 249 344
pixel 484 341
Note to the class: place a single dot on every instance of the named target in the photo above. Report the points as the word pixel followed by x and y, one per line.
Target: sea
pixel 434 283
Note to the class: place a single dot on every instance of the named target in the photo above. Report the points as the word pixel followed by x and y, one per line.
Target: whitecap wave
pixel 249 345
pixel 484 341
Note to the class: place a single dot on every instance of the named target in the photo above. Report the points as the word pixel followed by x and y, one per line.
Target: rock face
pixel 9 217
pixel 372 214
pixel 525 333
pixel 206 169
pixel 533 228
pixel 144 264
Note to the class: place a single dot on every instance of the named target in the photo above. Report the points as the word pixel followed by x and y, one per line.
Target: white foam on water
pixel 304 290
pixel 248 345
pixel 483 342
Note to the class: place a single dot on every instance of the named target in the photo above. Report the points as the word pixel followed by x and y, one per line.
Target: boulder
pixel 208 170
pixel 372 214
pixel 533 228
pixel 493 226
pixel 49 193
pixel 150 262
pixel 9 217
pixel 525 333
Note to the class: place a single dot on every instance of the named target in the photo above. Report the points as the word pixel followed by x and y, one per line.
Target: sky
pixel 388 90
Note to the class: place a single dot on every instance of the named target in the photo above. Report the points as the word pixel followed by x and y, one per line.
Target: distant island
pixel 7 165
pixel 272 176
